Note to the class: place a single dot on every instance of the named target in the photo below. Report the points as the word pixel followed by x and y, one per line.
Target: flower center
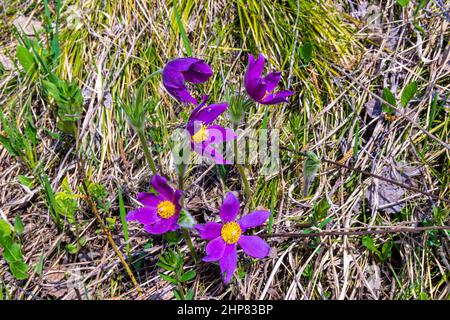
pixel 265 95
pixel 201 135
pixel 166 209
pixel 231 232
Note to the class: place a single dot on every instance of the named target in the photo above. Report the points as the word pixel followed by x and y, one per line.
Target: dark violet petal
pixel 148 199
pixel 258 91
pixel 254 246
pixel 210 230
pixel 215 250
pixel 217 134
pixel 192 121
pixel 160 227
pixel 208 114
pixel 230 208
pixel 174 77
pixel 255 67
pixel 185 97
pixel 181 64
pixel 160 184
pixel 254 219
pixel 198 72
pixel 272 80
pixel 145 215
pixel 254 85
pixel 228 263
pixel 276 98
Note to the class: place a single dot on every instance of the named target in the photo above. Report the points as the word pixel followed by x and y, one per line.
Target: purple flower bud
pixel 180 70
pixel 262 89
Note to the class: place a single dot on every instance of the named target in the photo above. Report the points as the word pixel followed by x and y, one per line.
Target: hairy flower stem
pixel 241 169
pixel 148 153
pixel 185 231
pixel 181 291
pixel 188 239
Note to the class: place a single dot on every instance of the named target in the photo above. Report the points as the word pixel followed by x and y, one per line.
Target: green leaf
pixel 188 276
pixel 25 58
pixel 123 220
pixel 320 209
pixel 5 229
pixel 386 250
pixel 165 266
pixel 182 30
pixel 367 242
pixel 177 294
pixel 26 181
pixel 408 93
pixel 19 269
pixel 325 222
pixel 424 296
pixel 189 295
pixel 13 255
pixel 18 225
pixel 4 141
pixel 11 251
pixel 390 98
pixel 403 3
pixel 310 168
pixel 306 52
pixel 72 248
pixel 168 278
pixel 39 265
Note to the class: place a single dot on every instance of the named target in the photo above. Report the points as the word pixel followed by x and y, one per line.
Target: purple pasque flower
pixel 203 135
pixel 262 89
pixel 178 71
pixel 225 237
pixel 160 212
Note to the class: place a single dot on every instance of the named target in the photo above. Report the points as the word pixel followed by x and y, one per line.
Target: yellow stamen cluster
pixel 166 209
pixel 201 135
pixel 231 232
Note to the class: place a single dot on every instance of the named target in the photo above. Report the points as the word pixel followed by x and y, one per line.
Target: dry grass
pixel 109 48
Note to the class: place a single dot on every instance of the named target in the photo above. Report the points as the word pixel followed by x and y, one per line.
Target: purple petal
pixel 208 114
pixel 255 67
pixel 218 134
pixel 230 208
pixel 198 72
pixel 184 96
pixel 162 226
pixel 173 81
pixel 209 152
pixel 177 71
pixel 254 246
pixel 149 199
pixel 228 263
pixel 276 98
pixel 210 230
pixel 254 219
pixel 160 184
pixel 145 215
pixel 272 80
pixel 215 250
